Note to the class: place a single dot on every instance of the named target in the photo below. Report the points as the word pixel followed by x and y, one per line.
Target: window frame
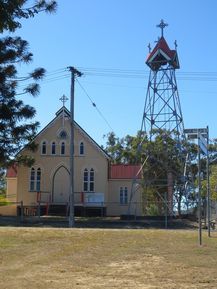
pixel 63 134
pixel 38 180
pixel 123 195
pixel 81 148
pixel 62 146
pixel 35 179
pixel 91 180
pixel 53 148
pixel 32 180
pixel 44 147
pixel 85 180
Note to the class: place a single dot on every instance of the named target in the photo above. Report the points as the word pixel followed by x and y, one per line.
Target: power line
pixel 94 105
pixel 62 73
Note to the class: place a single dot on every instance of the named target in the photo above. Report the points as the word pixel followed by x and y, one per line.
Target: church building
pixel 100 188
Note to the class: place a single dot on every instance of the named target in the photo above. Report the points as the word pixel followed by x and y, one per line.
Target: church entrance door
pixel 61 185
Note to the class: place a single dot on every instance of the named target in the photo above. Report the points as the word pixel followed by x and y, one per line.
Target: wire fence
pixel 101 209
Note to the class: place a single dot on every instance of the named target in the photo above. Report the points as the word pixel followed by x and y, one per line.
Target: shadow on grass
pixel 96 222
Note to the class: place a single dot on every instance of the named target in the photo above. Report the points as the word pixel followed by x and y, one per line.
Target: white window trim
pixel 35 181
pixel 88 182
pixel 124 199
pixel 32 181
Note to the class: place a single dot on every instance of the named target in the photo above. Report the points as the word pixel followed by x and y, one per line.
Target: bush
pixel 3 200
pixel 153 210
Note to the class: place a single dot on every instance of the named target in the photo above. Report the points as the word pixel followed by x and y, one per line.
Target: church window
pixel 32 179
pixel 91 180
pixel 62 148
pixel 53 148
pixel 85 180
pixel 81 149
pixel 63 134
pixel 88 180
pixel 123 195
pixel 44 148
pixel 38 180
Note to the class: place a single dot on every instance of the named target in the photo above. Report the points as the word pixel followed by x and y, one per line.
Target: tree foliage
pixel 12 11
pixel 162 157
pixel 16 125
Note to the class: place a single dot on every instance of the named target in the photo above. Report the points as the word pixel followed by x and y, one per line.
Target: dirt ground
pixel 83 258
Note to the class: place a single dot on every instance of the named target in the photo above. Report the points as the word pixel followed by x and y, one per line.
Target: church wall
pixel 11 190
pixel 115 207
pixel 48 163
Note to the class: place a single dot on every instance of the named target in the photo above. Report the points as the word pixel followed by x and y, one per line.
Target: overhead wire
pixel 62 73
pixel 94 105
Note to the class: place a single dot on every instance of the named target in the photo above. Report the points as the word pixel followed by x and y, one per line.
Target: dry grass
pixel 96 258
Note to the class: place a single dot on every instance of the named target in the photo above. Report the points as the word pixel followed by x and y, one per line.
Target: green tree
pixel 126 150
pixel 161 156
pixel 16 125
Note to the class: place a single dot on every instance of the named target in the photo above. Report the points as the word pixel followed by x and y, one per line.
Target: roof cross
pixel 149 47
pixel 162 25
pixel 63 99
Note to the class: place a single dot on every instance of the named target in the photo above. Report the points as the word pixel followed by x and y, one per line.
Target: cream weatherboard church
pixel 99 187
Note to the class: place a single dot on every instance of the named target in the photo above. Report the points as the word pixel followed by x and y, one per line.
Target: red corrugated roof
pixel 125 171
pixel 12 172
pixel 162 44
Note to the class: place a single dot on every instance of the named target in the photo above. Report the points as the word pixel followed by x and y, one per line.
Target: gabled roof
pixel 122 171
pixel 161 55
pixel 67 115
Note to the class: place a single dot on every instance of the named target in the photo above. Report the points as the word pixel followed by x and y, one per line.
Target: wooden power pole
pixel 74 73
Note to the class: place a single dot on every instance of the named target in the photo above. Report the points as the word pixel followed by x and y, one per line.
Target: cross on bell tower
pixel 162 25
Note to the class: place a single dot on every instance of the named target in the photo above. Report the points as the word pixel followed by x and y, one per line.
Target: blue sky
pixel 114 34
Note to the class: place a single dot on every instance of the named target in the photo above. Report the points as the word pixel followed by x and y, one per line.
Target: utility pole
pixel 74 73
pixel 199 196
pixel 208 187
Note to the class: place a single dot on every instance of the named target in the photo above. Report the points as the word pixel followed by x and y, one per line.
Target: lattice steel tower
pixel 162 106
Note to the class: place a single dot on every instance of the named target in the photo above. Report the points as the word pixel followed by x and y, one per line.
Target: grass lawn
pixel 96 258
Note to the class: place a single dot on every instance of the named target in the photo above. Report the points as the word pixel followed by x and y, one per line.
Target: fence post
pixel 166 212
pixel 21 211
pixel 39 209
pixel 102 209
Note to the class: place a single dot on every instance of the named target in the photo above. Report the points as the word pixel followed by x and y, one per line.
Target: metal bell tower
pixel 162 109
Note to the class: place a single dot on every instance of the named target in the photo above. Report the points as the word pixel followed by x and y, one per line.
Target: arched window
pixel 91 184
pixel 32 179
pixel 62 148
pixel 38 180
pixel 85 180
pixel 53 148
pixel 88 180
pixel 44 148
pixel 81 148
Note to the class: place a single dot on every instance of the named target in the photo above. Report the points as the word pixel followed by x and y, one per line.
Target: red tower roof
pixel 161 55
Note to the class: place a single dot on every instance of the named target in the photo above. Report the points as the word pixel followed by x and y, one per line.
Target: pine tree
pixel 16 126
